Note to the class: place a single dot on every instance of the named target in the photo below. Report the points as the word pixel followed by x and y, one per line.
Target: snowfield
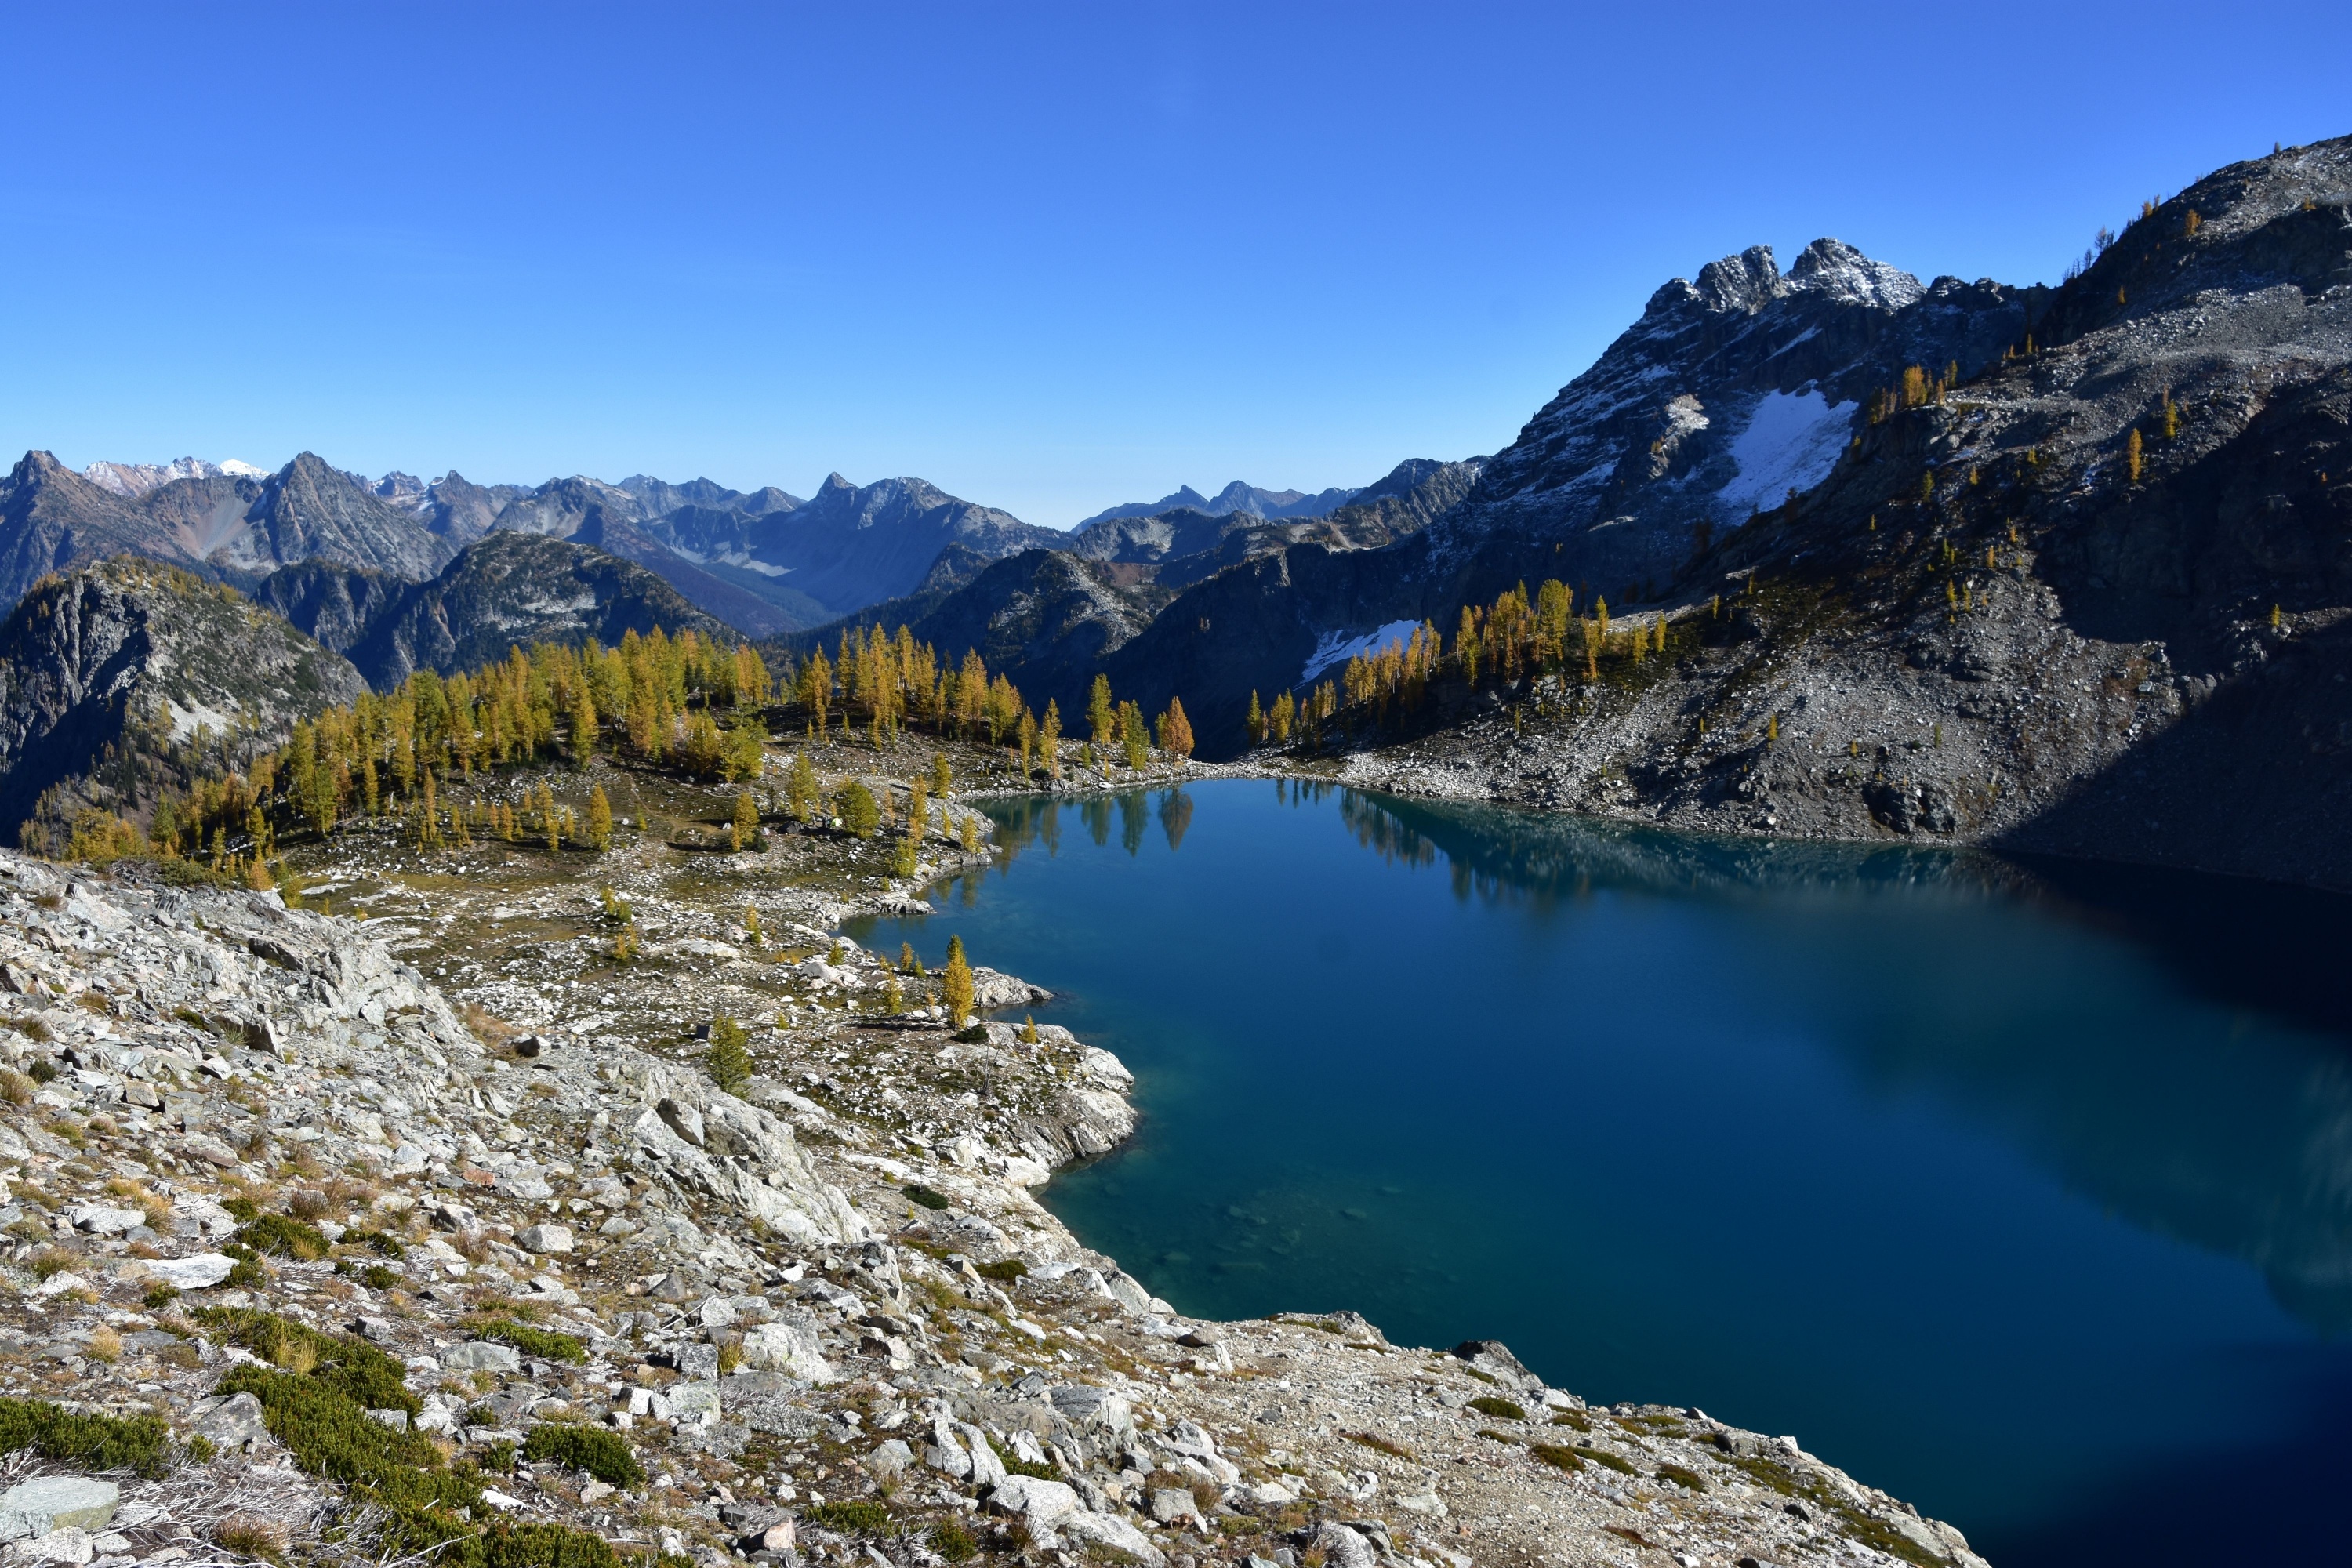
pixel 1791 442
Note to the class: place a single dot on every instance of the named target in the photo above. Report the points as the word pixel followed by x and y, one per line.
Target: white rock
pixel 200 1272
pixel 543 1237
pixel 1044 1504
pixel 1110 1530
pixel 59 1284
pixel 96 1219
pixel 481 1355
pixel 54 1502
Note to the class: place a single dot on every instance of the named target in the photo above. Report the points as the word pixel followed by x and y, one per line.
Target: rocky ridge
pixel 126 677
pixel 2095 601
pixel 456 1131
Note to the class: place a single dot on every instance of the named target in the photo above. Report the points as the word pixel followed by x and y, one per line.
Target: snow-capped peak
pixel 136 479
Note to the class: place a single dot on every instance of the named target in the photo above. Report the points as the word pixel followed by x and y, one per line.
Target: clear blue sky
pixel 1050 258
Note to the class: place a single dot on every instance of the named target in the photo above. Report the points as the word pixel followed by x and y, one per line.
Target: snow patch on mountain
pixel 1791 442
pixel 136 479
pixel 1334 648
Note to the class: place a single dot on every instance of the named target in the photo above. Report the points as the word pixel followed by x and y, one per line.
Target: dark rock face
pixel 506 589
pixel 114 678
pixel 334 604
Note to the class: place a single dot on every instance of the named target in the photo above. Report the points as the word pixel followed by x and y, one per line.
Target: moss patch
pixel 1501 1409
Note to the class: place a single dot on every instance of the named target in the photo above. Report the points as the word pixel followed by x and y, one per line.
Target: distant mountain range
pixel 1268 505
pixel 761 562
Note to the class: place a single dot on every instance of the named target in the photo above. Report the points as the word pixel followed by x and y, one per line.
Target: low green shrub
pixel 545 1343
pixel 924 1195
pixel 352 1368
pixel 277 1236
pixel 1681 1477
pixel 847 1517
pixel 505 1545
pixel 141 1443
pixel 591 1448
pixel 1603 1458
pixel 381 1243
pixel 1557 1457
pixel 1004 1270
pixel 1499 1408
pixel 953 1541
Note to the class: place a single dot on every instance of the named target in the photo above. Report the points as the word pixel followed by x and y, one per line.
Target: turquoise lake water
pixel 2023 1191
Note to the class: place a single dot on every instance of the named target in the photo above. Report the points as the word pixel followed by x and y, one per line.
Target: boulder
pixel 1110 1530
pixel 788 1346
pixel 200 1272
pixel 544 1239
pixel 99 1219
pixel 1044 1504
pixel 232 1424
pixel 56 1502
pixel 1343 1548
pixel 481 1355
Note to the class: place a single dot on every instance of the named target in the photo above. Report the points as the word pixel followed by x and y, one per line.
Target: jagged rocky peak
pixel 1829 270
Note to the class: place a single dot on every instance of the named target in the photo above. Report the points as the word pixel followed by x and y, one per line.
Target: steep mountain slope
pixel 849 546
pixel 114 677
pixel 308 509
pixel 507 589
pixel 2096 600
pixel 1236 496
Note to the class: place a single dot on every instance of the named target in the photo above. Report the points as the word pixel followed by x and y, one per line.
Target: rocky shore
pixel 434 1195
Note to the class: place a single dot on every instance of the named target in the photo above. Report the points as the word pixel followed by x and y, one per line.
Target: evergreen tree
pixel 729 1061
pixel 919 809
pixel 752 935
pixel 803 793
pixel 894 997
pixel 600 820
pixel 1254 721
pixel 943 777
pixel 1134 736
pixel 745 827
pixel 1102 717
pixel 905 857
pixel 1028 1030
pixel 583 726
pixel 956 983
pixel 2132 460
pixel 971 835
pixel 860 815
pixel 1049 739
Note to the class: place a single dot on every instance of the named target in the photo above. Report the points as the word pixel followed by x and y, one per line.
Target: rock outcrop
pixel 119 680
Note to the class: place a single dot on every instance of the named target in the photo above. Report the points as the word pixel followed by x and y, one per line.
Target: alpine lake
pixel 2021 1189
